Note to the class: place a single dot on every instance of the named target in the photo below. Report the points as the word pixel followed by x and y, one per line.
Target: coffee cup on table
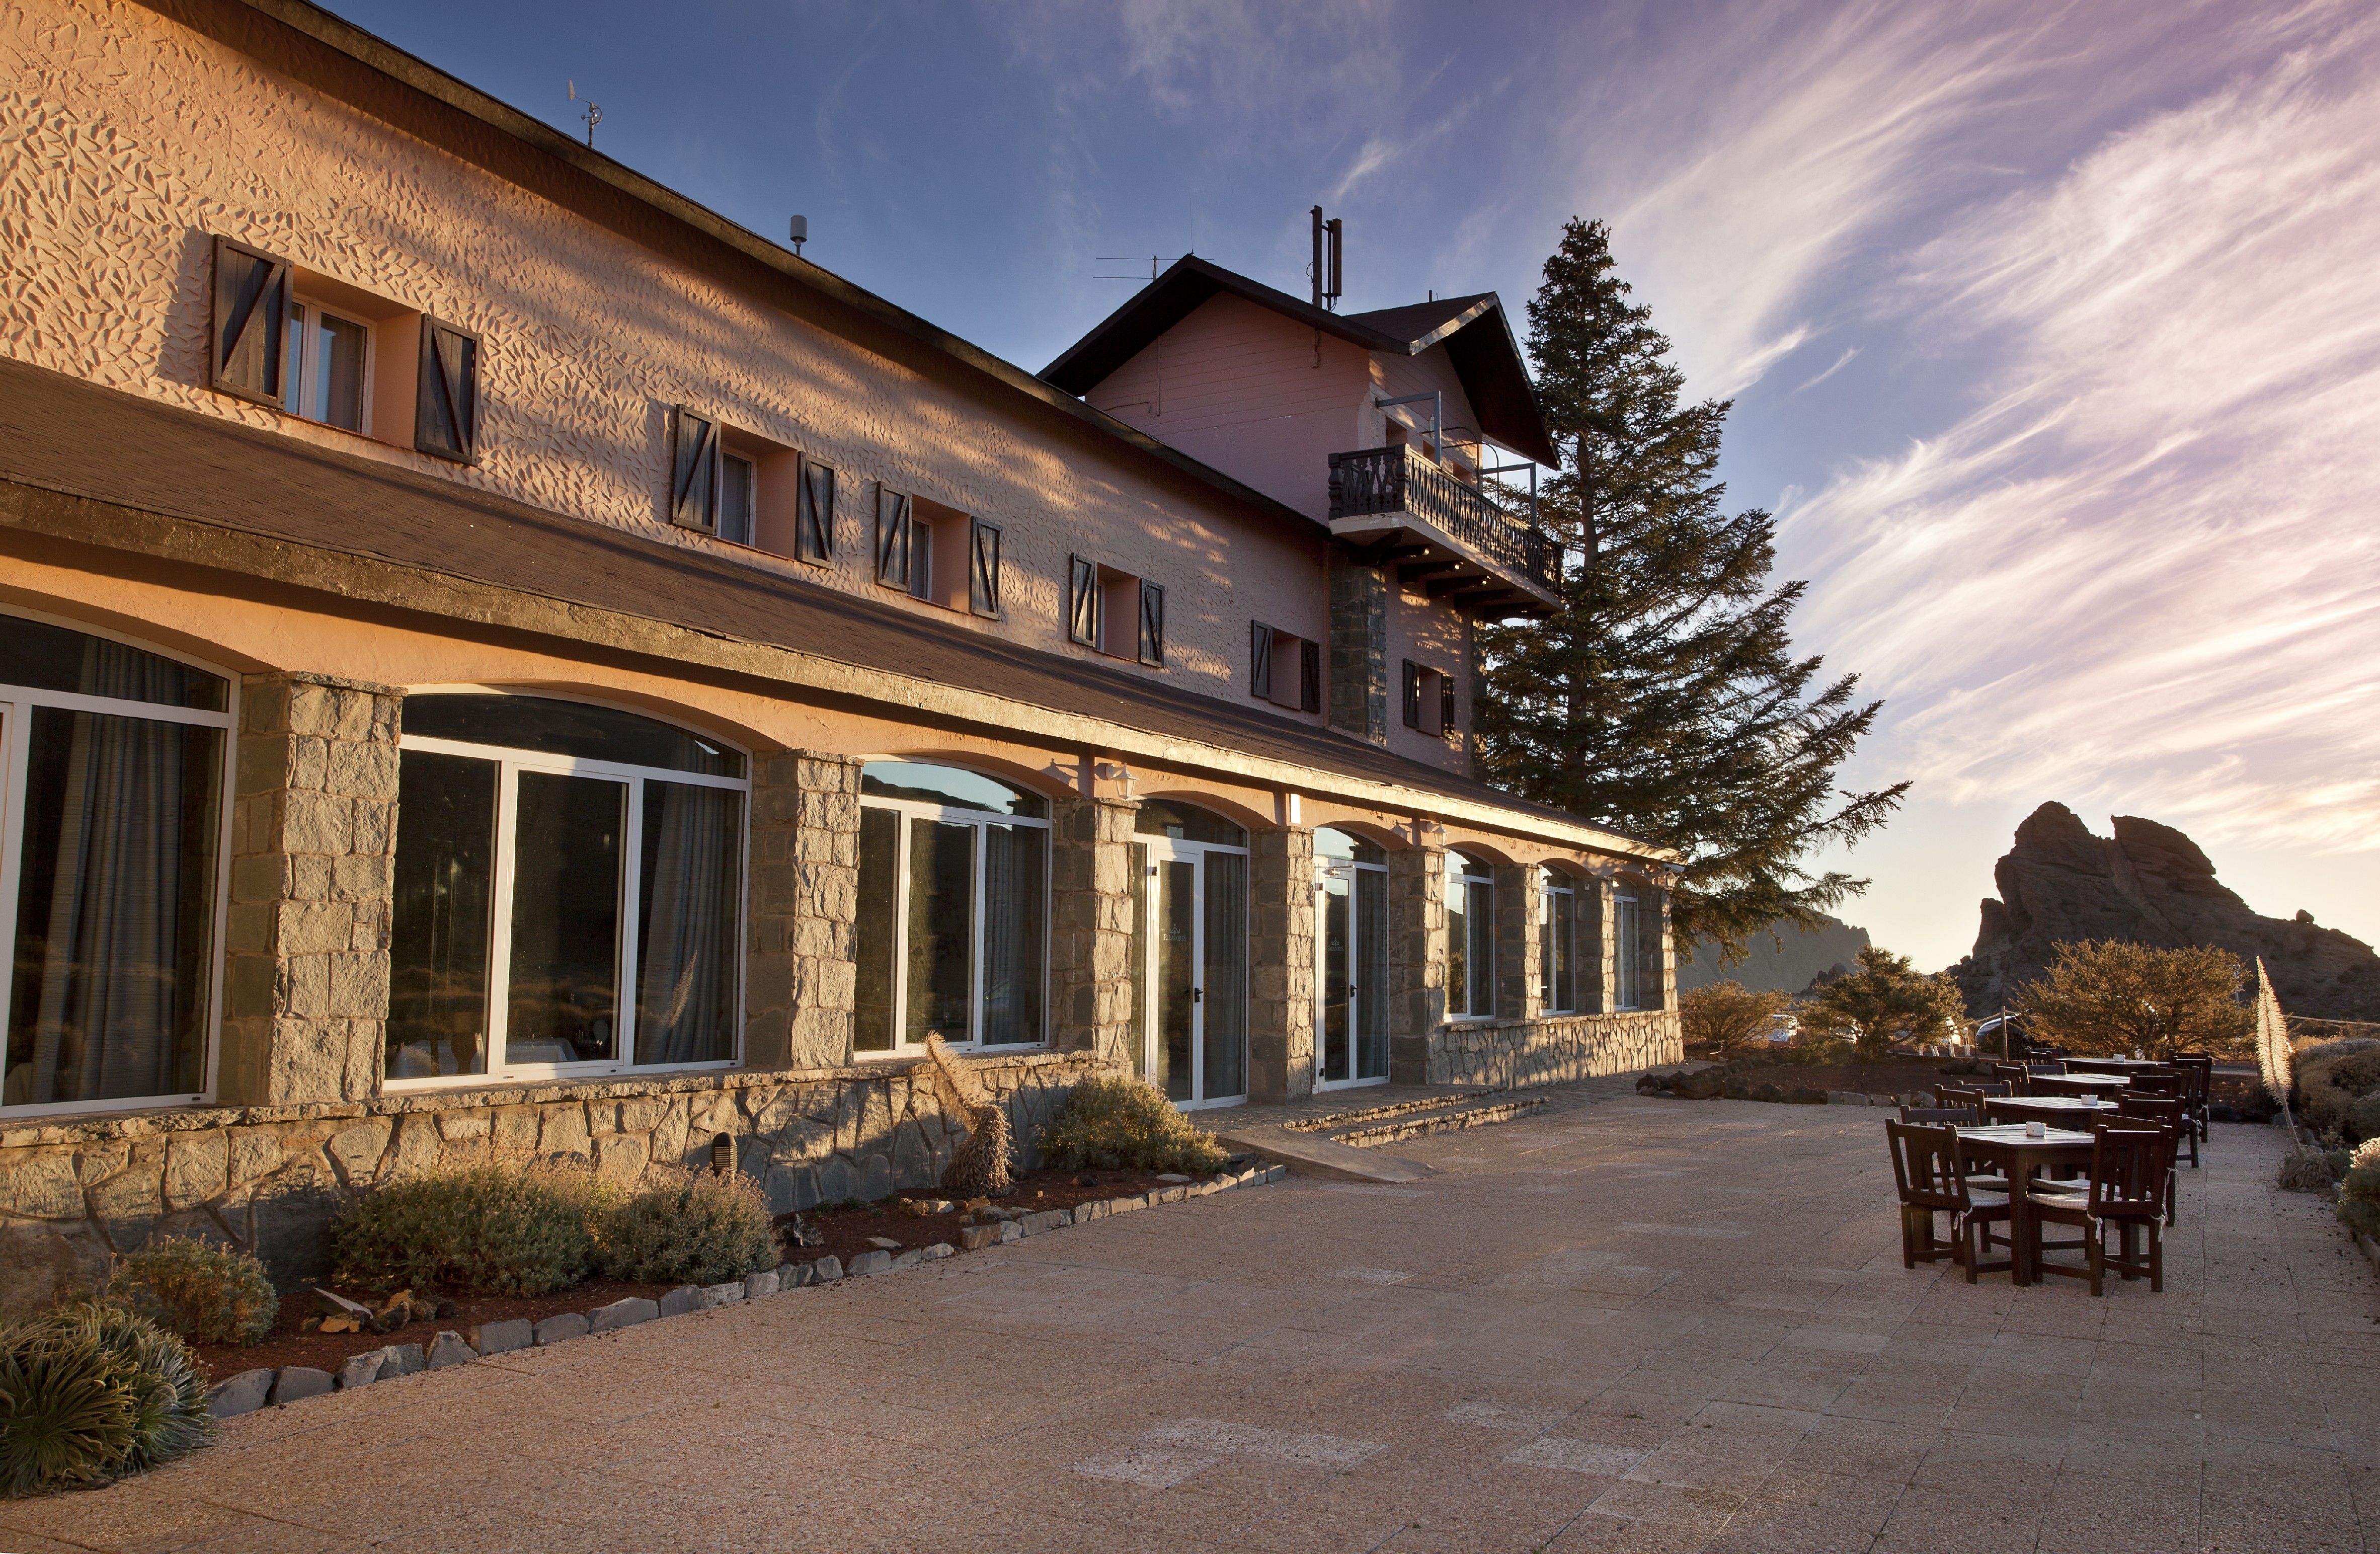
pixel 2036 1130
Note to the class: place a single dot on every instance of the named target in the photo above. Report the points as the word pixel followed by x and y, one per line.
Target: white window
pixel 1625 951
pixel 329 376
pixel 953 890
pixel 569 892
pixel 737 486
pixel 114 764
pixel 1558 943
pixel 1470 938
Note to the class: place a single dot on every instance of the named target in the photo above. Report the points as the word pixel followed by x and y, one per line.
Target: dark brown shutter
pixel 1152 624
pixel 694 470
pixel 983 567
pixel 814 514
pixel 1082 601
pixel 1446 705
pixel 244 352
pixel 1310 677
pixel 1260 660
pixel 1413 694
pixel 892 537
pixel 446 413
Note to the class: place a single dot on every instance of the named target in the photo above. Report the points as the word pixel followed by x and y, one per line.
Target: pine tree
pixel 1664 698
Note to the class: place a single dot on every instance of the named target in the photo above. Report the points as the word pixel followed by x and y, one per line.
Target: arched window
pixel 1627 984
pixel 1190 953
pixel 114 775
pixel 1557 936
pixel 954 922
pixel 569 892
pixel 1470 937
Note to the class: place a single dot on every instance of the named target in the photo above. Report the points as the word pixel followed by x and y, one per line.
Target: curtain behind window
pixel 1226 983
pixel 686 957
pixel 1013 934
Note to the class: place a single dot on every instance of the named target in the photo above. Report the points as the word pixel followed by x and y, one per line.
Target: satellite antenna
pixel 593 113
pixel 798 233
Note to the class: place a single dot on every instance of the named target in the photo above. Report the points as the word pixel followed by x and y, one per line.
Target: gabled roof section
pixel 1477 338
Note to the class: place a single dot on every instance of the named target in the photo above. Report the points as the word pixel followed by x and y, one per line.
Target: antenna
pixel 1126 258
pixel 1328 235
pixel 798 233
pixel 593 115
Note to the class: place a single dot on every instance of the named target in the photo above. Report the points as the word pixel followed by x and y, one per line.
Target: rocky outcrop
pixel 2148 885
pixel 1780 959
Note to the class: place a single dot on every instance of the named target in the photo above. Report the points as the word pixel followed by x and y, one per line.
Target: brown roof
pixel 61 434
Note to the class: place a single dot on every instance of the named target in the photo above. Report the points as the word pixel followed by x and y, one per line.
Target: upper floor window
pixel 1558 921
pixel 1116 613
pixel 1470 937
pixel 569 892
pixel 953 890
pixel 937 553
pixel 116 774
pixel 1284 669
pixel 1428 700
pixel 329 375
pixel 747 489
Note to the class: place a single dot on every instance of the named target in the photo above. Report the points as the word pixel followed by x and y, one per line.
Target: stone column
pixel 1090 919
pixel 1358 693
pixel 313 843
pixel 1657 980
pixel 1416 959
pixel 1596 989
pixel 1520 985
pixel 1280 970
pixel 801 974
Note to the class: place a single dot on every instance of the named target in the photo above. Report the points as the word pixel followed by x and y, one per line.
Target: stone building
pixel 497 659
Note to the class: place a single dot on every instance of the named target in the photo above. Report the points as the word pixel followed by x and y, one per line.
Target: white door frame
pixel 1161 851
pixel 1358 1004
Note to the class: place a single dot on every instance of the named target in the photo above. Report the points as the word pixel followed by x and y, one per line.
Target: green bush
pixel 2358 1193
pixel 689 1229
pixel 205 1292
pixel 2332 1077
pixel 1113 1124
pixel 91 1390
pixel 496 1229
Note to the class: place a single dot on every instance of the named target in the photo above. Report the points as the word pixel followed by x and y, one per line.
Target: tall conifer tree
pixel 1664 698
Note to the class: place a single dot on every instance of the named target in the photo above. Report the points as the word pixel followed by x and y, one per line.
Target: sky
pixel 2052 330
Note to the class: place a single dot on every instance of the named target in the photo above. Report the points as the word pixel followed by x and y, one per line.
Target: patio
pixel 1619 1323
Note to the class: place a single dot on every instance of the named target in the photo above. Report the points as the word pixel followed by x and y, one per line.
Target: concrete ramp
pixel 1311 1154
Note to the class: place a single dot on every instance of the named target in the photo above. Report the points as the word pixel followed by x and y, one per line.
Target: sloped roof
pixel 1478 337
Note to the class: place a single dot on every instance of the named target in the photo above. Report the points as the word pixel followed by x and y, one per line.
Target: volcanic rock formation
pixel 2149 884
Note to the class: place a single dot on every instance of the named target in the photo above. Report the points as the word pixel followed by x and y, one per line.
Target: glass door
pixel 1351 981
pixel 1195 1039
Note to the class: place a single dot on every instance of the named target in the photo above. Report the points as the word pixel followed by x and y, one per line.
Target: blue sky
pixel 2053 329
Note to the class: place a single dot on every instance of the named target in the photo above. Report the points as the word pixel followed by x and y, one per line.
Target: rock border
pixel 252 1389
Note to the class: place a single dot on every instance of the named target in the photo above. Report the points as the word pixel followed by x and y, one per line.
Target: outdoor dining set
pixel 2088 1144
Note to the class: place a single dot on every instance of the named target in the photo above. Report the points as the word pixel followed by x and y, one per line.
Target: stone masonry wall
pixel 313 843
pixel 1280 971
pixel 1520 987
pixel 1502 1054
pixel 1357 692
pixel 1416 959
pixel 1090 938
pixel 801 974
pixel 74 1194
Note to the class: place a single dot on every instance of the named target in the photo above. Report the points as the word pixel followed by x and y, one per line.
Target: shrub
pixel 1113 1124
pixel 204 1292
pixel 689 1229
pixel 2107 996
pixel 2334 1081
pixel 1884 999
pixel 91 1390
pixel 2359 1191
pixel 494 1229
pixel 1727 1016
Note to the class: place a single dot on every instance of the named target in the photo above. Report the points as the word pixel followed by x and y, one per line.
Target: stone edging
pixel 252 1389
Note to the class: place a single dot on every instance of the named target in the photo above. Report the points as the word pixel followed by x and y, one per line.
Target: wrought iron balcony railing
pixel 1398 479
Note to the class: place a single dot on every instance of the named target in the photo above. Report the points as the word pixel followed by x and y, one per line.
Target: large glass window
pixel 585 862
pixel 1558 943
pixel 1470 938
pixel 953 936
pixel 112 865
pixel 1625 951
pixel 1350 939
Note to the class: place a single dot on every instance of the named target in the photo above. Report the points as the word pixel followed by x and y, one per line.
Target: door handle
pixel 1197 995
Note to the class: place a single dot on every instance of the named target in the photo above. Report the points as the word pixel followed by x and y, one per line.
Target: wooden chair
pixel 2158 1082
pixel 2199 1072
pixel 1957 1116
pixel 2140 1111
pixel 2014 1076
pixel 1930 1171
pixel 2130 1172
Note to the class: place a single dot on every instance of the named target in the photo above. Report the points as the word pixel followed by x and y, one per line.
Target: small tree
pixel 2104 996
pixel 1885 997
pixel 1727 1016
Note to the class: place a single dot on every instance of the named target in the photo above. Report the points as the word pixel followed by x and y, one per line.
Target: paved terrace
pixel 1621 1324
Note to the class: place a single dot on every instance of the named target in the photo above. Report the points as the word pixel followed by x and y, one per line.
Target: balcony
pixel 1457 540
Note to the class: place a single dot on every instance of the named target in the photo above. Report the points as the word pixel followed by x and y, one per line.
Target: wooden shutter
pixel 983 567
pixel 1446 705
pixel 892 537
pixel 1413 694
pixel 246 355
pixel 1082 601
pixel 1260 660
pixel 814 514
pixel 1152 624
pixel 447 410
pixel 694 470
pixel 1309 677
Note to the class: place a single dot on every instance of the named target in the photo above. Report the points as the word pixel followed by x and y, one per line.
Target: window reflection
pixel 564 995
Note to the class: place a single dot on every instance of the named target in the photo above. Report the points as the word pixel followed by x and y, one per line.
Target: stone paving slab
pixel 1621 1324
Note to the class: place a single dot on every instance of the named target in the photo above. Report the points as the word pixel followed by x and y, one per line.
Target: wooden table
pixel 2110 1065
pixel 2006 1145
pixel 2056 1110
pixel 2078 1083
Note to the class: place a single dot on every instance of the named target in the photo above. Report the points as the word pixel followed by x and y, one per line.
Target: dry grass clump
pixel 2338 1088
pixel 2358 1191
pixel 1114 1123
pixel 205 1292
pixel 92 1390
pixel 497 1228
pixel 687 1229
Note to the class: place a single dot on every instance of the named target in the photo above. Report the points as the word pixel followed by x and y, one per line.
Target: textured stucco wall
pixel 131 138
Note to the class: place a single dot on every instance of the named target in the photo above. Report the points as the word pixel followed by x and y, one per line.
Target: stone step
pixel 1444 1122
pixel 1330 1119
pixel 1308 1154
